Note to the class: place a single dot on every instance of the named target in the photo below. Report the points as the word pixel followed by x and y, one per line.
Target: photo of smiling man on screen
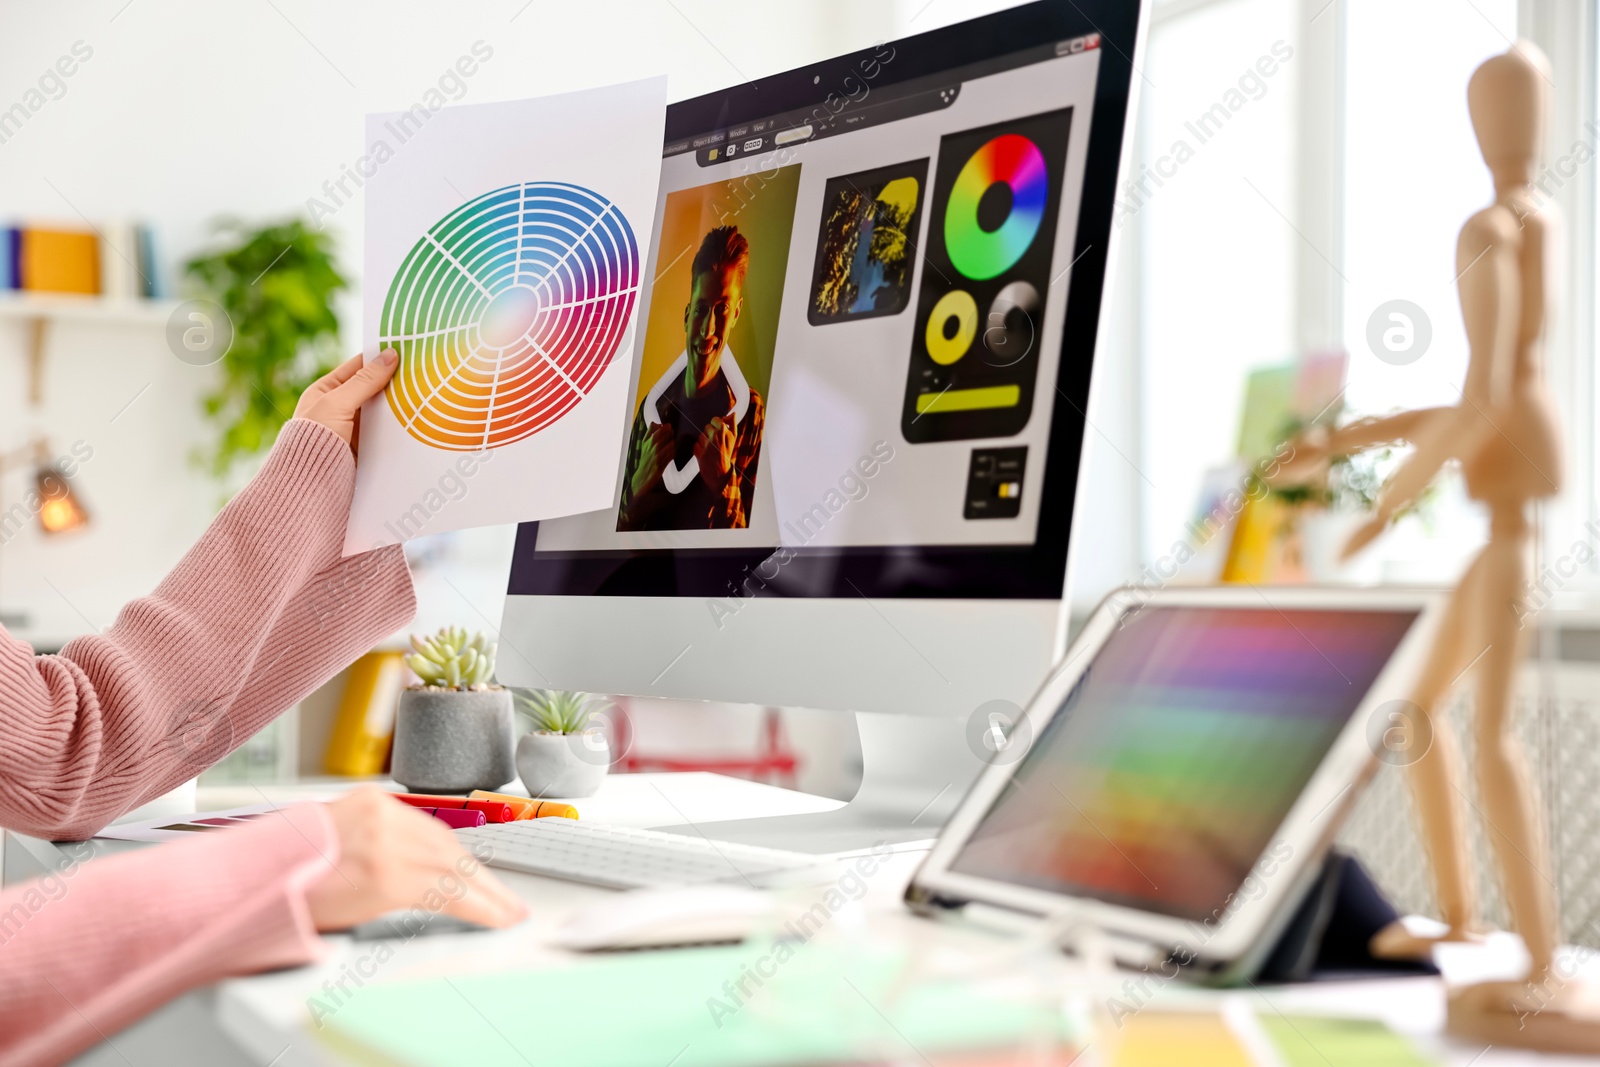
pixel 696 438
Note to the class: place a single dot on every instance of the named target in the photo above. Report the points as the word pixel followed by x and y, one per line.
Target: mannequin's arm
pixel 1394 429
pixel 1490 306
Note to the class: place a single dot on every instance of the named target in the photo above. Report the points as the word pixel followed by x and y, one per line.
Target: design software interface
pixel 851 325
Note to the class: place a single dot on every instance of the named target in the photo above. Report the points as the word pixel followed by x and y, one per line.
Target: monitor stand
pixel 914 771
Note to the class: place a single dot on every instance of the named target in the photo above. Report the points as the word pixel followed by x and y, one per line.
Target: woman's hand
pixel 392 856
pixel 335 399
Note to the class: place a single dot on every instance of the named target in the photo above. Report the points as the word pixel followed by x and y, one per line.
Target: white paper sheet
pixel 505 251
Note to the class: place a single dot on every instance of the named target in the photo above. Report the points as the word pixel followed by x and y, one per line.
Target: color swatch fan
pixel 507 312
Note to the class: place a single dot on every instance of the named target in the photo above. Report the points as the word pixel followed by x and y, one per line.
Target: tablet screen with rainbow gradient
pixel 1178 754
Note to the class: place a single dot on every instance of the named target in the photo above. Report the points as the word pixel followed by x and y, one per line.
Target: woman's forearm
pixel 90 947
pixel 256 615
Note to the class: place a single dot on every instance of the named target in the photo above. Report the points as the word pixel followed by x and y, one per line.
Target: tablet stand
pixel 1330 934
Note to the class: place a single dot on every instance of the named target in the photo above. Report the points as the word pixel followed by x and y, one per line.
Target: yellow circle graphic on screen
pixel 952 325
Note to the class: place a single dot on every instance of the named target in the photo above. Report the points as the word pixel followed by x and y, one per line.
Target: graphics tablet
pixel 1177 781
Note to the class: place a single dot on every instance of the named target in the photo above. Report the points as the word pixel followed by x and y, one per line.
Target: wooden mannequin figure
pixel 1504 434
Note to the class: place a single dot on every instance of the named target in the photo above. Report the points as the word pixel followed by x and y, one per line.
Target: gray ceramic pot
pixel 563 765
pixel 447 741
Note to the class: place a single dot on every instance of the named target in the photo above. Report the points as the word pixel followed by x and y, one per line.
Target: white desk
pixel 264 1019
pixel 253 1020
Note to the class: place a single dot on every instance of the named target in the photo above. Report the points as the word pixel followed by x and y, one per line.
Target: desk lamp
pixel 52 500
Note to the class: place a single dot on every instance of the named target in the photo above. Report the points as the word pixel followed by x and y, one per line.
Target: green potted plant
pixel 454 732
pixel 1325 511
pixel 277 284
pixel 565 754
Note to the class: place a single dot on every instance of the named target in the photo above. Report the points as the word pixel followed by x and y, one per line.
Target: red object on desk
pixel 456 818
pixel 774 759
pixel 493 810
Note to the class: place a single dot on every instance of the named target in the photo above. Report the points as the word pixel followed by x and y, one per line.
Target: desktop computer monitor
pixel 861 368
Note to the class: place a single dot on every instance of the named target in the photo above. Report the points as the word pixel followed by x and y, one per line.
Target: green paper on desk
pixel 822 1004
pixel 1307 1041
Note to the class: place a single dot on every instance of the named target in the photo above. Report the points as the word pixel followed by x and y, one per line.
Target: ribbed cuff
pixel 283 933
pixel 309 465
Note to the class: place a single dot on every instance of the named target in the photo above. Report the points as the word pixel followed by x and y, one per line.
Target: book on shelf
pixel 60 261
pixel 364 727
pixel 116 261
pixel 10 247
pixel 119 261
pixel 149 287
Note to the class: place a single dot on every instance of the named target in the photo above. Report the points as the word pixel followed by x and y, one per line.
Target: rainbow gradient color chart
pixel 1015 162
pixel 1179 754
pixel 506 313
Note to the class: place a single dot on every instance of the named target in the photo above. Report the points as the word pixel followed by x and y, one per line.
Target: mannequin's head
pixel 1508 98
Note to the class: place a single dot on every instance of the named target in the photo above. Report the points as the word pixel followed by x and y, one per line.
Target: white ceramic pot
pixel 563 765
pixel 1322 537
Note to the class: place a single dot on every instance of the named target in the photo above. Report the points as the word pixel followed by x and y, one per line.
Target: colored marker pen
pixel 526 808
pixel 457 818
pixel 493 811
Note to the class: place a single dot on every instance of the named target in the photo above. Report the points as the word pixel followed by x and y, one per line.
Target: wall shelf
pixel 70 307
pixel 39 310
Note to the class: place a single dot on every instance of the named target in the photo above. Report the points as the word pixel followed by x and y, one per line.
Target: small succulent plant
pixel 453 659
pixel 555 711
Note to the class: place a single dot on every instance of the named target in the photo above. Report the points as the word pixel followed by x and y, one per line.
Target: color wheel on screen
pixel 1015 163
pixel 506 314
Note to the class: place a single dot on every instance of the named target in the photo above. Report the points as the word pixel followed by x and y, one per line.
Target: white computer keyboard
pixel 625 858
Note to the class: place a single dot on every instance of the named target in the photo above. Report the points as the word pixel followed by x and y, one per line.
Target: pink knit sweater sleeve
pixel 91 947
pixel 258 613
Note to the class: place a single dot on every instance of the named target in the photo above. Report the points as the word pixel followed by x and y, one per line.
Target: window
pixel 1412 176
pixel 1338 184
pixel 1212 198
pixel 1228 246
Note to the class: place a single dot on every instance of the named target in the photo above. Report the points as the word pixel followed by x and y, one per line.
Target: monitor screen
pixel 863 348
pixel 1178 754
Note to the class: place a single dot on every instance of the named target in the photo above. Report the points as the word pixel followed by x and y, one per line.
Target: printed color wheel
pixel 506 314
pixel 981 254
